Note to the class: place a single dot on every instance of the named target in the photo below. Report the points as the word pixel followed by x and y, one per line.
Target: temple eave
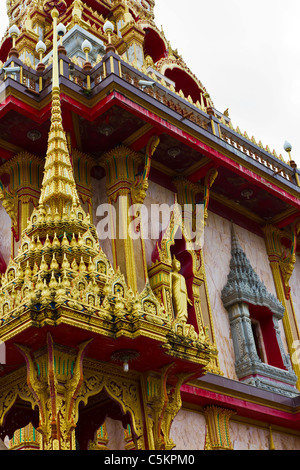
pixel 118 329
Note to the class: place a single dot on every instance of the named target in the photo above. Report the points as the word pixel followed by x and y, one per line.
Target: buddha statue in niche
pixel 179 293
pixel 11 275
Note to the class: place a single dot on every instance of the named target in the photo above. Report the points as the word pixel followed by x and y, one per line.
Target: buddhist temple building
pixel 149 249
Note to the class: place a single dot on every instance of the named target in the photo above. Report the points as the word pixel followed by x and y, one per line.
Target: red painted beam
pixel 41 115
pixel 288 220
pixel 215 155
pixel 161 125
pixel 14 104
pixel 201 173
pixel 244 408
pixel 2 264
pixel 140 143
pixel 89 113
pixel 6 154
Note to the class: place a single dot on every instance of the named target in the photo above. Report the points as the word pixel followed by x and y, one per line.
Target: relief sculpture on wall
pixel 179 293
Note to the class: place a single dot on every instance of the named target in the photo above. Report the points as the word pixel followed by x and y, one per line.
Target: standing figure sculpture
pixel 179 293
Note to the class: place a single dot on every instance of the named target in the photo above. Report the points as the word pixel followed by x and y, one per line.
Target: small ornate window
pixel 254 316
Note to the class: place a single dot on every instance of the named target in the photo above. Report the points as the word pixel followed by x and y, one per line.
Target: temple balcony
pixel 149 339
pixel 45 290
pixel 156 91
pixel 115 101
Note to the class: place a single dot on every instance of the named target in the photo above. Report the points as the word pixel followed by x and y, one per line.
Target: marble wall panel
pixel 115 432
pixel 217 255
pixel 99 197
pixel 188 430
pixel 285 441
pixel 5 234
pixel 248 437
pixel 156 195
pixel 295 291
pixel 216 251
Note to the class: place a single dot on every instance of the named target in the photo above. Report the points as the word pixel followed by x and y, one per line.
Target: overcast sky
pixel 247 55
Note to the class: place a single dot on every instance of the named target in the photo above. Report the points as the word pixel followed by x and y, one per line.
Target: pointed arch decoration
pixel 120 388
pixel 58 392
pixel 160 273
pixel 168 66
pixel 155 44
pixel 10 392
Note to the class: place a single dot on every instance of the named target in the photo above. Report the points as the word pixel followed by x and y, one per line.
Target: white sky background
pixel 246 54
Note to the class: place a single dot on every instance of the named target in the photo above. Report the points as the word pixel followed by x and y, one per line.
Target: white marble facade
pixel 217 255
pixel 188 430
pixel 5 235
pixel 295 291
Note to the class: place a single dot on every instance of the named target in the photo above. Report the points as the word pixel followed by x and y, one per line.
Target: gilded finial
pixel 65 263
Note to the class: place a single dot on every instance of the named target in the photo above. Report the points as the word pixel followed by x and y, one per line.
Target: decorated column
pixel 218 429
pixel 20 190
pixel 282 264
pixel 126 188
pixel 55 388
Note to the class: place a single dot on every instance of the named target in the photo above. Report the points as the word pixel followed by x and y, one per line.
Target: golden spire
pixel 58 187
pixel 59 249
pixel 127 15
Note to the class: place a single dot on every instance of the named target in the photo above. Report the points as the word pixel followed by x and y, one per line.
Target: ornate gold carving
pixel 287 264
pixel 25 439
pixel 153 308
pixel 287 261
pixel 282 266
pixel 101 440
pixel 139 189
pixel 218 432
pixel 278 254
pixel 209 180
pixel 54 398
pixel 12 387
pixel 10 204
pixel 163 402
pixel 121 388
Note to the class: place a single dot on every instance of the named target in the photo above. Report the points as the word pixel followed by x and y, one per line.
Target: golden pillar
pixel 126 192
pixel 25 172
pixel 121 165
pixel 54 379
pixel 133 39
pixel 26 438
pixel 162 402
pixel 282 267
pixel 82 165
